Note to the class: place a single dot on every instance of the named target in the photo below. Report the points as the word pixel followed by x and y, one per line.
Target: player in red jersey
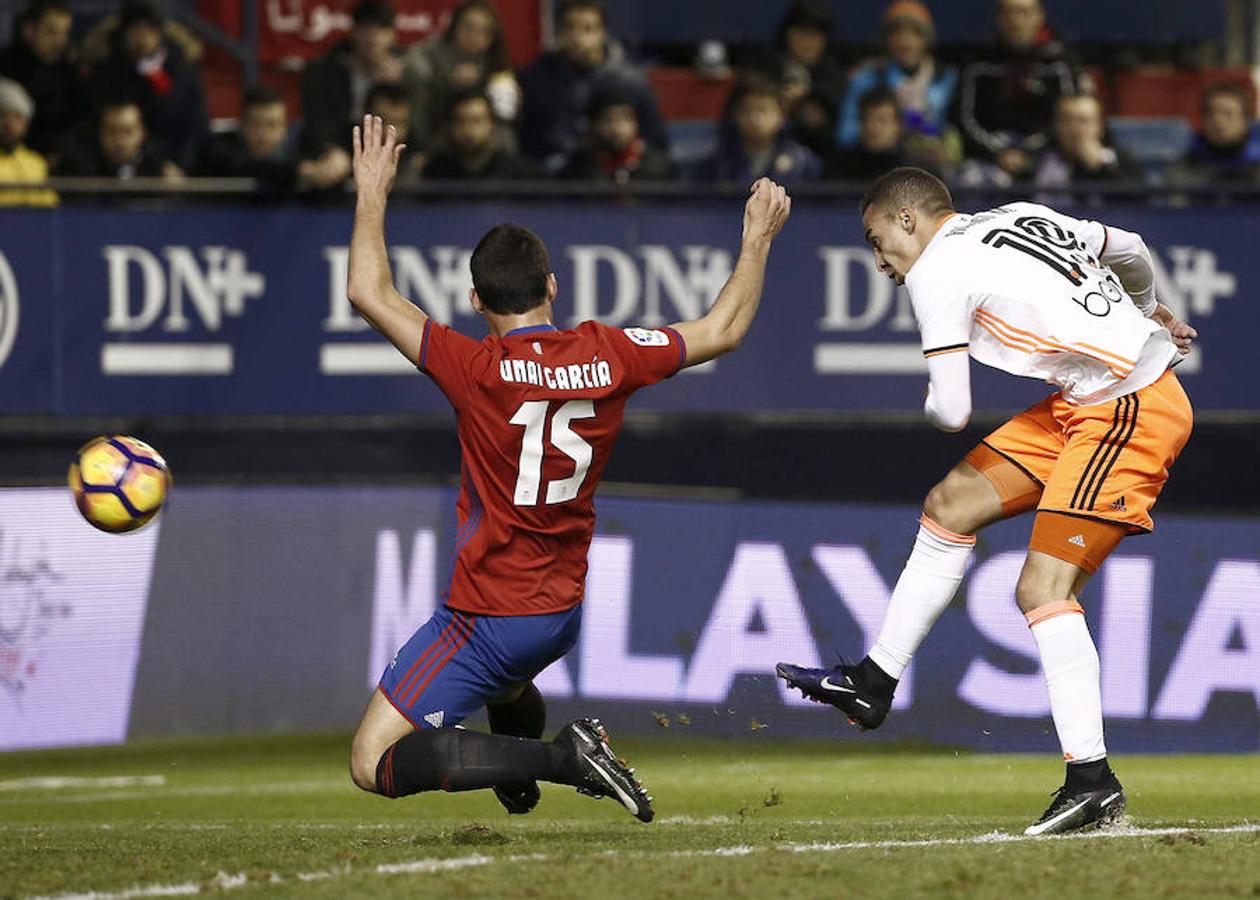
pixel 538 411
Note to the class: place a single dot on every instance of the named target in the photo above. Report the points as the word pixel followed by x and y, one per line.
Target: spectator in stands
pixel 757 142
pixel 472 146
pixel 41 60
pixel 147 67
pixel 260 148
pixel 335 86
pixel 802 61
pixel 1080 151
pixel 122 149
pixel 881 142
pixel 393 103
pixel 1228 148
pixel 469 53
pixel 615 150
pixel 558 86
pixel 925 89
pixel 1006 98
pixel 18 163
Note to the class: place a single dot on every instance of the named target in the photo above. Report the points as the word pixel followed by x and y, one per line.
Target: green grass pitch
pixel 277 817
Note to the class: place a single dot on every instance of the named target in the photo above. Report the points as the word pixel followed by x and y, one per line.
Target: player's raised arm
pixel 1127 255
pixel 371 284
pixel 723 327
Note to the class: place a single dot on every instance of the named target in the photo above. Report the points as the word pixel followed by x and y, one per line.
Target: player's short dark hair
pixel 881 95
pixel 1227 89
pixel 909 186
pixel 375 13
pixel 564 7
pixel 510 266
pixel 390 93
pixel 260 95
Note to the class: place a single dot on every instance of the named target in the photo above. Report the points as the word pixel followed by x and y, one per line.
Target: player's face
pixel 1019 22
pixel 895 248
pixel 263 128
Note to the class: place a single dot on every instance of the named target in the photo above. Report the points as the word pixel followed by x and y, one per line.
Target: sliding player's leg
pixel 985 487
pixel 520 712
pixel 408 741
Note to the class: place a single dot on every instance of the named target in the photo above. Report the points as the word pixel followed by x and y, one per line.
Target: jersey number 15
pixel 532 415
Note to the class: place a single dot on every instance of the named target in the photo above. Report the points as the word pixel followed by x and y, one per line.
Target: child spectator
pixel 614 150
pixel 18 163
pixel 756 142
pixel 925 90
pixel 880 146
pixel 1228 148
pixel 122 149
pixel 558 86
pixel 151 70
pixel 469 53
pixel 1080 152
pixel 472 147
pixel 40 59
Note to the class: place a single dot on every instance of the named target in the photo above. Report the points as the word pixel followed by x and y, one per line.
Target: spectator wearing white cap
pixel 20 165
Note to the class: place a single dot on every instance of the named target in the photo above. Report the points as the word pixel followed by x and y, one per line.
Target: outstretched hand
pixel 376 155
pixel 766 211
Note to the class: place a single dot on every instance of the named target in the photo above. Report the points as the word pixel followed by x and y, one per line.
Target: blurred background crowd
pixel 122 94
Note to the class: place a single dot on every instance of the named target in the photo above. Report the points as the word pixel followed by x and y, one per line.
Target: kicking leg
pixel 982 489
pixel 1047 594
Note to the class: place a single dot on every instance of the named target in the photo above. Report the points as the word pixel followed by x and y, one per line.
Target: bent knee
pixel 946 505
pixel 363 762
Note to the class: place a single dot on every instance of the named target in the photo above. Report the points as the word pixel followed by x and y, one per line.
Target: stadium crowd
pixel 126 100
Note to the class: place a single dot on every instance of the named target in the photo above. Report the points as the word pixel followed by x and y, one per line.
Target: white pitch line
pixel 61 783
pixel 226 882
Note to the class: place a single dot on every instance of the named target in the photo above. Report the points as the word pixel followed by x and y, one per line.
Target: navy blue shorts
pixel 455 662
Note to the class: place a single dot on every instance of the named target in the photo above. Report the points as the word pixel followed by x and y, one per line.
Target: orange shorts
pixel 1108 461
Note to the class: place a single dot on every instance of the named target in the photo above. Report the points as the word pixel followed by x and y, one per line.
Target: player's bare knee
pixel 946 505
pixel 363 761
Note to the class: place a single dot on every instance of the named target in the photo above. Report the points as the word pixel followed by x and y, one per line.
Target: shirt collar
pixel 532 329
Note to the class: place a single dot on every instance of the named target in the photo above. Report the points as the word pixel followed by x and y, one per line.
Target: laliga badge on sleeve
pixel 646 337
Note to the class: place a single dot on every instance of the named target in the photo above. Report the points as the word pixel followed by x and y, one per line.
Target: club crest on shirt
pixel 647 337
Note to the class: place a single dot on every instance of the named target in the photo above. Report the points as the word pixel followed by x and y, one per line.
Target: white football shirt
pixel 1023 288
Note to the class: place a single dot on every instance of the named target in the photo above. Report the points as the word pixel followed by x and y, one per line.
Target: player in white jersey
pixel 1033 292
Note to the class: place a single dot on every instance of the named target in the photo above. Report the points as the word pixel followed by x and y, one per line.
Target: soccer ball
pixel 119 483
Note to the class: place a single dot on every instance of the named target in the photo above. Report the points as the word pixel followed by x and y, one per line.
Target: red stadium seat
pixel 682 94
pixel 1168 92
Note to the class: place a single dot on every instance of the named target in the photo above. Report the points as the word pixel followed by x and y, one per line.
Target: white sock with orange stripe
pixel 1070 662
pixel 927 584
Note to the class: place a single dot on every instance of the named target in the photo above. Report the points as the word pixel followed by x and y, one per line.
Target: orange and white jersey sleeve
pixel 1042 300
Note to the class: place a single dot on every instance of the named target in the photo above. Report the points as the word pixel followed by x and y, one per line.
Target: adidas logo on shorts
pixel 435 718
pixel 1118 506
pixel 1078 540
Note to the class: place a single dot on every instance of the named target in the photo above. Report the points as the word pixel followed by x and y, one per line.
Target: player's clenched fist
pixel 766 211
pixel 376 155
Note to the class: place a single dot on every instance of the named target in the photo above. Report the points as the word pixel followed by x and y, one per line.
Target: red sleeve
pixel 648 355
pixel 447 356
